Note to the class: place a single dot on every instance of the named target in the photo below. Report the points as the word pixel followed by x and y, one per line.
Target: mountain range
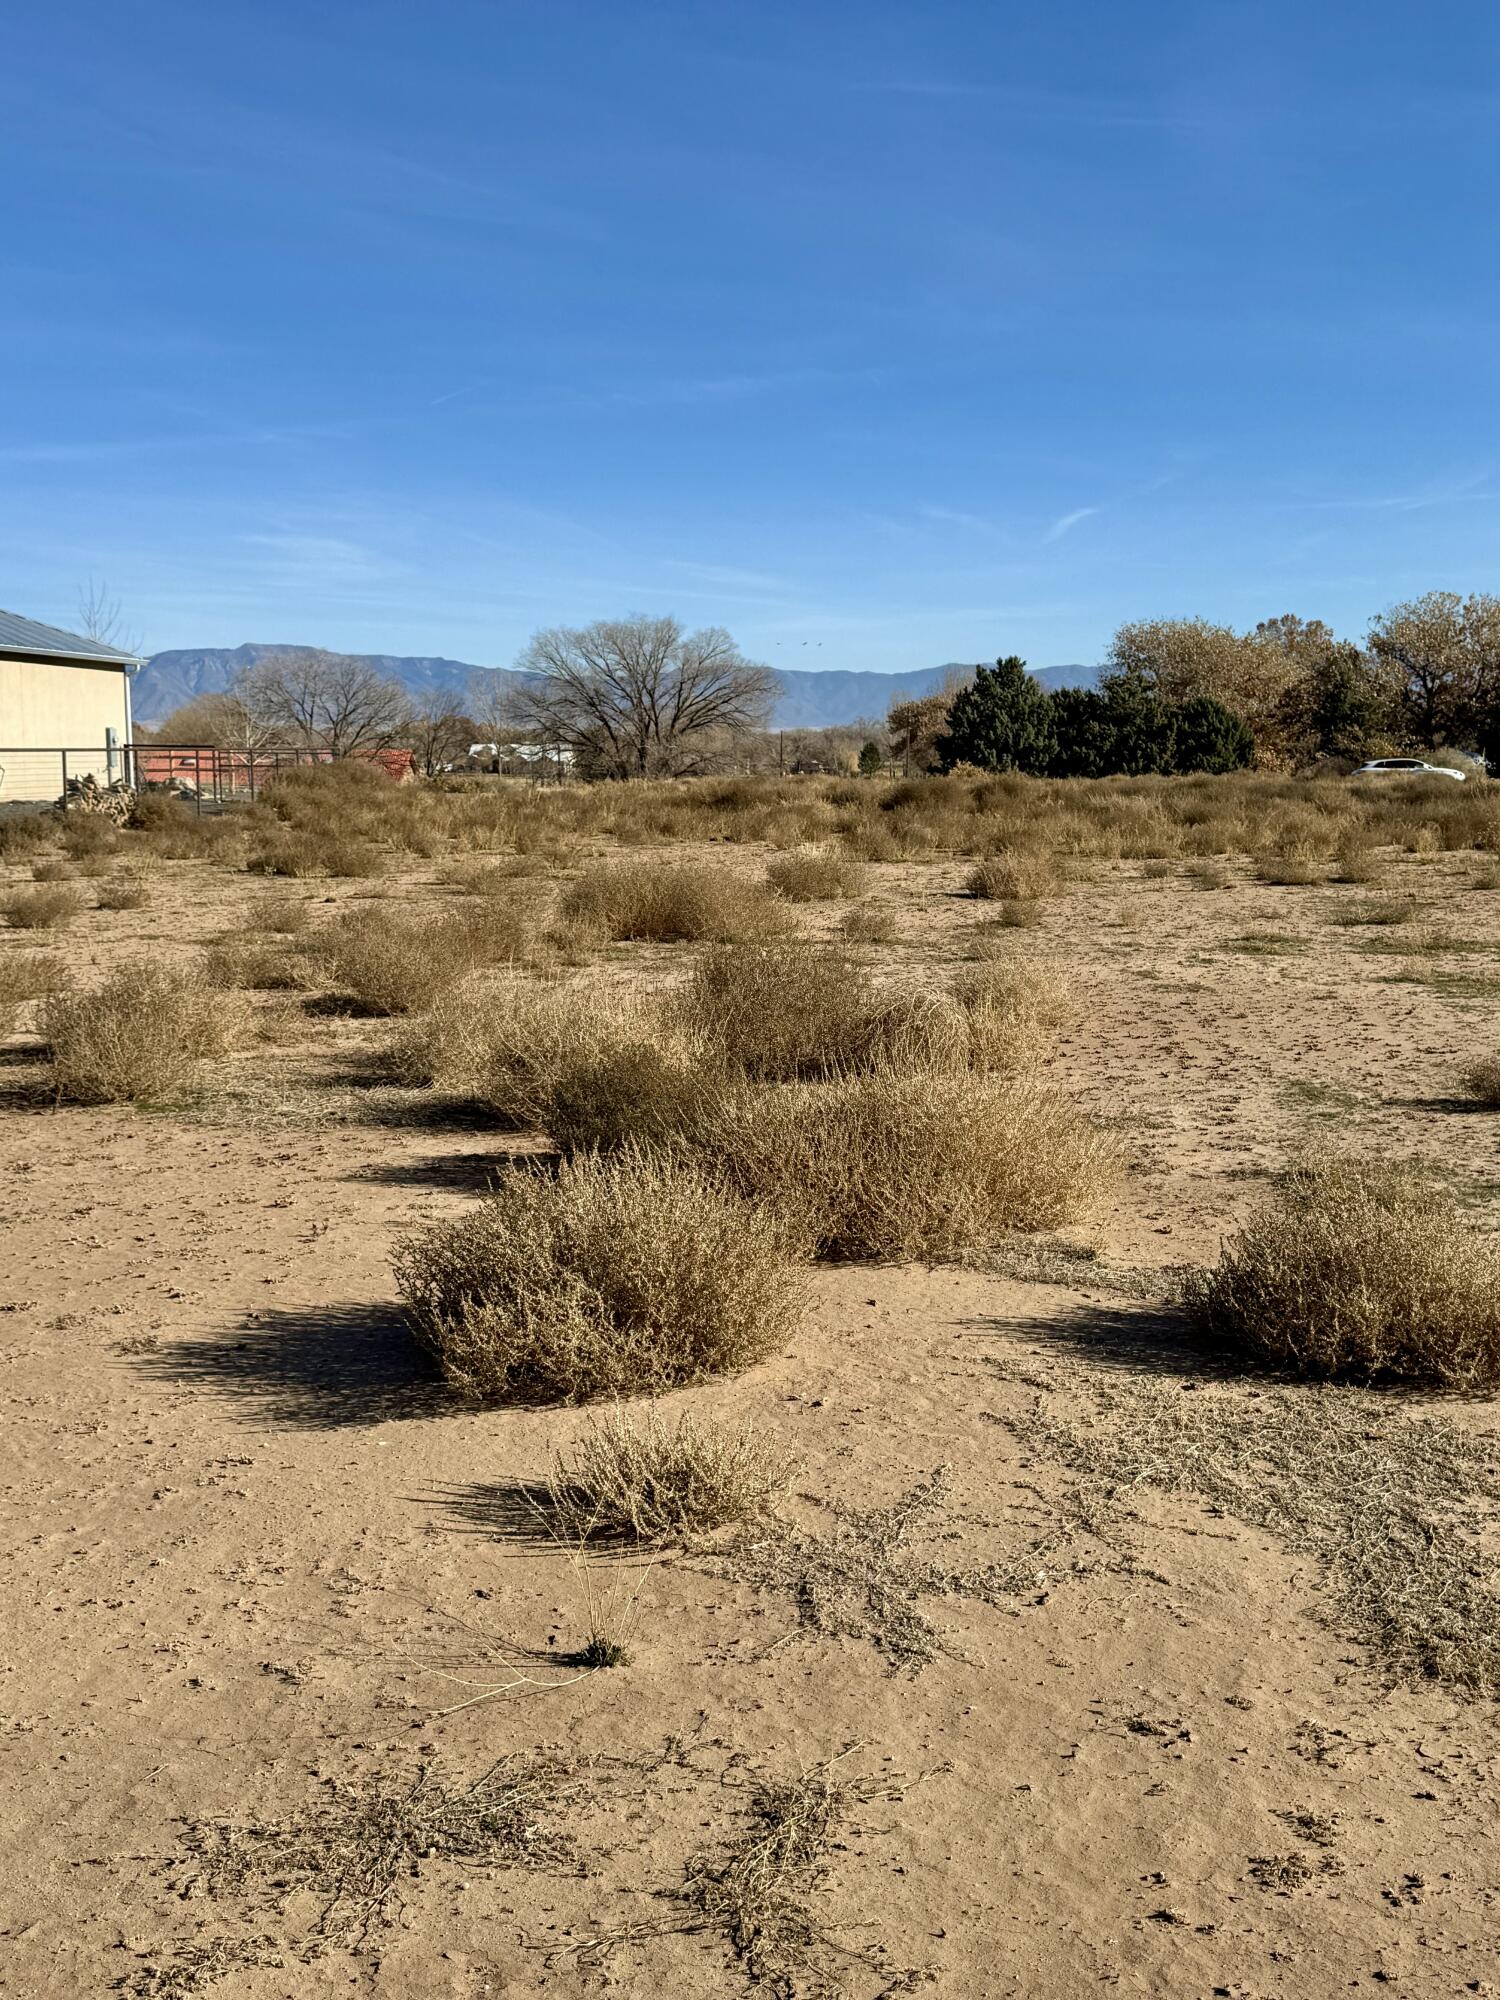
pixel 809 699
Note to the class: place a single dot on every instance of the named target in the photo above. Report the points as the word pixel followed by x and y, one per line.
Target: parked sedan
pixel 1407 767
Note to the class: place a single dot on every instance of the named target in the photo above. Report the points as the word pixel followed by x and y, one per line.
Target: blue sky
pixel 883 335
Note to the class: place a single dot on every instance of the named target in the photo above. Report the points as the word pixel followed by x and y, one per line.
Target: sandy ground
pixel 252 1550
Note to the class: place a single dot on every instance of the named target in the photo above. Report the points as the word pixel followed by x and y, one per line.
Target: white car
pixel 1407 767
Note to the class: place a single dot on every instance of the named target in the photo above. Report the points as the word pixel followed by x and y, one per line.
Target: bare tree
pixel 639 697
pixel 325 701
pixel 440 733
pixel 101 617
pixel 224 720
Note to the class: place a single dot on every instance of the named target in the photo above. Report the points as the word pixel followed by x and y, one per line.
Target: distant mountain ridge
pixel 810 699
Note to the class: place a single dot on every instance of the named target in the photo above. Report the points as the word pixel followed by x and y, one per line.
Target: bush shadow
pixel 521 1515
pixel 460 1173
pixel 312 1368
pixel 1154 1339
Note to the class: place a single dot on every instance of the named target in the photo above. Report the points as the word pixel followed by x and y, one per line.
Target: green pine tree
pixel 1002 721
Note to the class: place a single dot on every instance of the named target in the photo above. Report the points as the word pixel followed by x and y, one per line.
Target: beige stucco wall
pixel 46 706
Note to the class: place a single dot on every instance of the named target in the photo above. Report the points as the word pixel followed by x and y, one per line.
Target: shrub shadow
pixel 312 1368
pixel 1160 1340
pixel 464 1173
pixel 1457 1107
pixel 520 1514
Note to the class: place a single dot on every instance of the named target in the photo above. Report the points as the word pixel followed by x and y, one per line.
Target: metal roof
pixel 46 642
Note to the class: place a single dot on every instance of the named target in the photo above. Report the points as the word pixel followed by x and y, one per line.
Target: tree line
pixel 642 697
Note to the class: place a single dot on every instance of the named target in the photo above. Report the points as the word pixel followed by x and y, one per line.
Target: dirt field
pixel 1104 1707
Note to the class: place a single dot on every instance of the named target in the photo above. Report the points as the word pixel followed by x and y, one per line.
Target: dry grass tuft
pixel 505 1046
pixel 1296 864
pixel 617 1277
pixel 791 1011
pixel 816 875
pixel 45 909
pixel 650 1087
pixel 281 914
pixel 1012 878
pixel 756 1895
pixel 54 871
pixel 139 1036
pixel 25 977
pixel 669 903
pixel 648 1482
pixel 867 923
pixel 911 1167
pixel 782 1010
pixel 386 962
pixel 1482 1080
pixel 124 892
pixel 247 964
pixel 1363 1271
pixel 24 833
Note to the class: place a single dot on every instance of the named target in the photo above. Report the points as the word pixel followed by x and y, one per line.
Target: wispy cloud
pixel 1441 493
pixel 1066 522
pixel 955 517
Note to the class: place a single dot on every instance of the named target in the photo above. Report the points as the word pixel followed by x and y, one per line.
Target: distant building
pixel 59 693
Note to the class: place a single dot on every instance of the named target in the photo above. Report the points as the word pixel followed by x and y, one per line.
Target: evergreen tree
pixel 1207 736
pixel 870 761
pixel 1142 725
pixel 1084 732
pixel 1002 721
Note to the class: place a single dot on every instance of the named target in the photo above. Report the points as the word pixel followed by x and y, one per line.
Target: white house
pixel 64 708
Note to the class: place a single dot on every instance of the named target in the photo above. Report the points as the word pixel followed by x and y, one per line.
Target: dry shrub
pixel 782 1010
pixel 1012 878
pixel 626 1276
pixel 24 833
pixel 1482 1080
pixel 1294 865
pixel 816 875
pixel 283 914
pixel 24 977
pixel 650 1087
pixel 86 836
pixel 386 962
pixel 649 1482
pixel 998 1016
pixel 687 900
pixel 124 892
pixel 47 909
pixel 236 963
pixel 911 1167
pixel 137 1036
pixel 1360 1270
pixel 1357 861
pixel 301 854
pixel 867 924
pixel 1207 875
pixel 53 871
pixel 505 1046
